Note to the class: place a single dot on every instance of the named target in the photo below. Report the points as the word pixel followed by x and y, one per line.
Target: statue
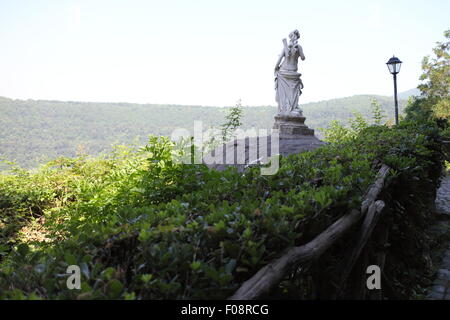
pixel 288 84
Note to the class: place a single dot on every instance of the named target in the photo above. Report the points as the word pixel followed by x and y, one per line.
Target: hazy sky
pixel 209 52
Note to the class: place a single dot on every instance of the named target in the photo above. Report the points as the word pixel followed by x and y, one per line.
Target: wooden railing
pixel 272 274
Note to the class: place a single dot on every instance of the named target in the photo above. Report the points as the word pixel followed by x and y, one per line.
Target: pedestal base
pixel 292 126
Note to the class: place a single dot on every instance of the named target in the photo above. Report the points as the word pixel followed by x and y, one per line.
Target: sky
pixel 208 52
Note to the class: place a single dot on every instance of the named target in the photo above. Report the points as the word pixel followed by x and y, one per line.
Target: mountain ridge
pixel 401 96
pixel 32 131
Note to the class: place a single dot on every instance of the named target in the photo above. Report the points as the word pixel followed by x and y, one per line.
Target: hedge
pixel 141 226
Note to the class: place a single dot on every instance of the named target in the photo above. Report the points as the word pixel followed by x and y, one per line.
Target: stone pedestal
pixel 245 151
pixel 293 137
pixel 292 126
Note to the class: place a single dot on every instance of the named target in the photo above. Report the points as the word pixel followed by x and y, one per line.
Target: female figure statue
pixel 288 84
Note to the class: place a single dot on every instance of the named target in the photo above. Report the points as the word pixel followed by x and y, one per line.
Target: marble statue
pixel 288 84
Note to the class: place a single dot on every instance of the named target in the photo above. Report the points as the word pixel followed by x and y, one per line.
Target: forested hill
pixel 37 130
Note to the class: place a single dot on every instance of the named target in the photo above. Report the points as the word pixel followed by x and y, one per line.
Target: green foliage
pixel 436 71
pixel 336 132
pixel 339 133
pixel 216 136
pixel 233 122
pixel 377 112
pixel 142 226
pixel 434 101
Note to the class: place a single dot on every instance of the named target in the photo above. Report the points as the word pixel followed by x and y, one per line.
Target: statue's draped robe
pixel 288 89
pixel 288 84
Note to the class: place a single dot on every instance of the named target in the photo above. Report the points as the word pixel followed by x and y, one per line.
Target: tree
pixel 233 121
pixel 436 71
pixel 377 112
pixel 434 100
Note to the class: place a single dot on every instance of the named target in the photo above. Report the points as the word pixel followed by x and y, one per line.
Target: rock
pixel 243 152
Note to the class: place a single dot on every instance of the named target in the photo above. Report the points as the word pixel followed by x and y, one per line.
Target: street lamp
pixel 394 64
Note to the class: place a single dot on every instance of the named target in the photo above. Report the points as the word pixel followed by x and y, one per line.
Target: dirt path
pixel 443 196
pixel 441 286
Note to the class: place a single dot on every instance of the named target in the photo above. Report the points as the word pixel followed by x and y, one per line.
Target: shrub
pixel 143 226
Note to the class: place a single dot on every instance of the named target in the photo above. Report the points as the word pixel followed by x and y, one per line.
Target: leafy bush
pixel 142 226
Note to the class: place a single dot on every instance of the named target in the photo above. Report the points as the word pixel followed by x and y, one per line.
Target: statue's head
pixel 294 35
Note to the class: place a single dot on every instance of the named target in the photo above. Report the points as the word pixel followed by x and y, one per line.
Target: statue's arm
pixel 280 58
pixel 300 51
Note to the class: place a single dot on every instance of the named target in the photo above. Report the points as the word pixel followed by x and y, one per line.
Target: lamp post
pixel 394 64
